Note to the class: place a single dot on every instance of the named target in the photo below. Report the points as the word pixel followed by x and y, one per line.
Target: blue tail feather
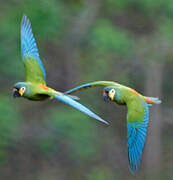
pixel 80 107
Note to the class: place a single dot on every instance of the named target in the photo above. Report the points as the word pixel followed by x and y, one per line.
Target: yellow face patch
pixel 111 94
pixel 22 90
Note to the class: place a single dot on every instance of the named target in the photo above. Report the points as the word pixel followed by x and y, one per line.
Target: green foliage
pixel 9 118
pixel 153 8
pixel 107 38
pixel 73 129
pixel 124 38
pixel 46 18
pixel 9 125
pixel 101 173
pixel 47 21
pixel 166 29
pixel 158 7
pixel 119 6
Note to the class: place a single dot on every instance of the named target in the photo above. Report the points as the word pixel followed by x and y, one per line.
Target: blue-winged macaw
pixel 137 115
pixel 35 88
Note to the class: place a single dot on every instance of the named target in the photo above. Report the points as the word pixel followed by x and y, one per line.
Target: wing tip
pixel 24 19
pixel 102 120
pixel 80 107
pixel 24 16
pixel 134 167
pixel 25 24
pixel 133 171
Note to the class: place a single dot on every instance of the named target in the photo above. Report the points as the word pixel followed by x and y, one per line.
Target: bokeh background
pixel 127 41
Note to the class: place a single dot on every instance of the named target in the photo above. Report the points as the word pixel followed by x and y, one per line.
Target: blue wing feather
pixel 28 44
pixel 80 107
pixel 136 140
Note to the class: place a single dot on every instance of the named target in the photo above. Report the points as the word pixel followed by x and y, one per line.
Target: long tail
pixel 92 84
pixel 80 107
pixel 76 98
pixel 152 100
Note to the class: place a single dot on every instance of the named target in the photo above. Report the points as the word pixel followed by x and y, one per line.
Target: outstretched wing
pixel 92 84
pixel 79 106
pixel 34 68
pixel 137 124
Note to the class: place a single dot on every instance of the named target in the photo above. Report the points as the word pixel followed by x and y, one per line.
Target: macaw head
pixel 20 89
pixel 109 93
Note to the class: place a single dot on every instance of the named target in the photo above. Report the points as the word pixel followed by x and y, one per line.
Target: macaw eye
pixel 112 94
pixel 112 91
pixel 23 89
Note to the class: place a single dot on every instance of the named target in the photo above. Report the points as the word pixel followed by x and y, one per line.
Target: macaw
pixel 35 87
pixel 137 115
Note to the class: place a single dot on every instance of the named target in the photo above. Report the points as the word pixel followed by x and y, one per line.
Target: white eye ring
pixel 112 94
pixel 112 91
pixel 23 89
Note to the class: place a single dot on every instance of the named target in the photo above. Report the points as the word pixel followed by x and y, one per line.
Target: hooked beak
pixel 15 93
pixel 106 97
pixel 21 92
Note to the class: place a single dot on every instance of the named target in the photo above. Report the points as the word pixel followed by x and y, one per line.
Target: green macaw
pixel 35 87
pixel 137 115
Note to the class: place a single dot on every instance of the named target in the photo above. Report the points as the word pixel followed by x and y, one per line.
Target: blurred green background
pixel 127 41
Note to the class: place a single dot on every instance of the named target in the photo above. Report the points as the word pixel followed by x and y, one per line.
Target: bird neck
pixel 120 97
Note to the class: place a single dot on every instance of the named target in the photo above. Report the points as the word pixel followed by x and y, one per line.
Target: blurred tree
pixel 10 125
pixel 86 40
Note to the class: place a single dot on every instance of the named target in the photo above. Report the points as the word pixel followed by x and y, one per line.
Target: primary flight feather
pixel 137 115
pixel 35 88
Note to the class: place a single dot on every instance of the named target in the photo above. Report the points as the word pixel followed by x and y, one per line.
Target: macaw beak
pixel 21 92
pixel 106 97
pixel 15 93
pixel 111 97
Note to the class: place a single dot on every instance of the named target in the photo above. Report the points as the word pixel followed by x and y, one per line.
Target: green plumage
pixel 137 115
pixel 35 86
pixel 133 100
pixel 33 71
pixel 135 109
